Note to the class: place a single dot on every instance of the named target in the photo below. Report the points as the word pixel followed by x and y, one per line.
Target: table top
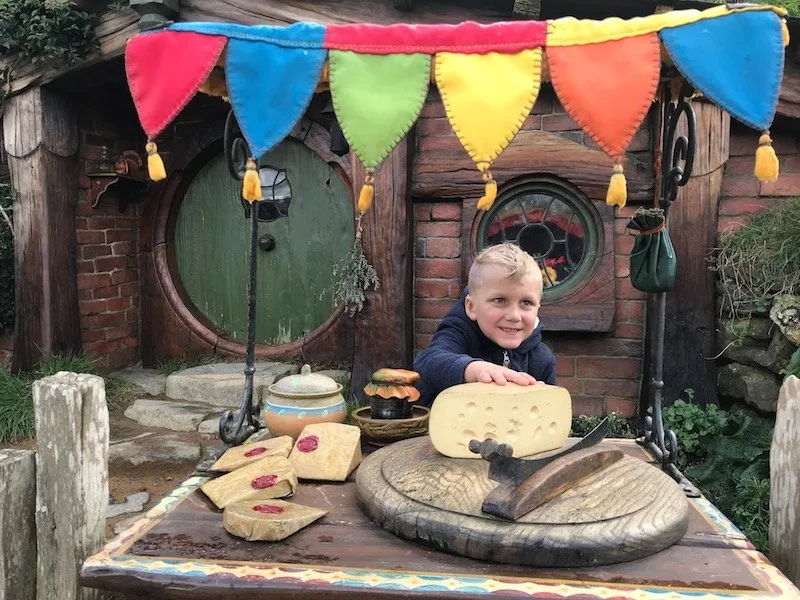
pixel 180 549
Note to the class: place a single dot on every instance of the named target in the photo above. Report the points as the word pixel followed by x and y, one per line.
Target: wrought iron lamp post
pixel 276 190
pixel 677 157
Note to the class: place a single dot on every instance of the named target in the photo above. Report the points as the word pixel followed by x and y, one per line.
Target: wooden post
pixel 784 480
pixel 384 327
pixel 41 139
pixel 690 310
pixel 71 480
pixel 17 525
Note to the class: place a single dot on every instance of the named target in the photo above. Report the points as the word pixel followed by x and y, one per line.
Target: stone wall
pixel 753 348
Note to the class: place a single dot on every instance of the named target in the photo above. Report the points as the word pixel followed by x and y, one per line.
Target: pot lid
pixel 306 383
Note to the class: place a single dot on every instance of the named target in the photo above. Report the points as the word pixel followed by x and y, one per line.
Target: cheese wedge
pixel 530 418
pixel 271 477
pixel 239 456
pixel 326 451
pixel 267 520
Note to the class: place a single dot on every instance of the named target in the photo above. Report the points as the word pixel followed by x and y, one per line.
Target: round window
pixel 553 222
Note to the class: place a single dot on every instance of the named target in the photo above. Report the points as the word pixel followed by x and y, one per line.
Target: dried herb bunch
pixel 353 276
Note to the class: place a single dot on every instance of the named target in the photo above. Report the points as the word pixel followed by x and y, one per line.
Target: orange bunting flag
pixel 608 88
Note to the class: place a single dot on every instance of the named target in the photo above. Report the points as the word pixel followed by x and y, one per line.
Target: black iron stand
pixel 677 157
pixel 233 430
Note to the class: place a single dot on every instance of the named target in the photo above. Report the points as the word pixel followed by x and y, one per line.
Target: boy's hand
pixel 486 372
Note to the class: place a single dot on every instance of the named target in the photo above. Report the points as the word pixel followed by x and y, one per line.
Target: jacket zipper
pixel 506 359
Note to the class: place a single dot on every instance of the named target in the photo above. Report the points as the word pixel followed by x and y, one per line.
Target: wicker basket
pixel 380 432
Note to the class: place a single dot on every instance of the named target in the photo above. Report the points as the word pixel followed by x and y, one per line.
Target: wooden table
pixel 180 550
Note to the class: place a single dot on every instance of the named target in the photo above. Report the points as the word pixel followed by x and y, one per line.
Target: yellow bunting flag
pixel 487 98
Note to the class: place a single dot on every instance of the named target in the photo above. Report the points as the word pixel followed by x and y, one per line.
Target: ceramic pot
pixel 299 400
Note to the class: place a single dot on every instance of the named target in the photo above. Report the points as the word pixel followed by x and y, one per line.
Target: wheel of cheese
pixel 530 418
pixel 267 520
pixel 239 456
pixel 271 477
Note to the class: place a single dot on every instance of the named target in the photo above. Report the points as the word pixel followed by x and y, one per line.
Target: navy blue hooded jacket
pixel 459 341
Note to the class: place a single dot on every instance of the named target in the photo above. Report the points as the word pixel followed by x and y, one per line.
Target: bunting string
pixel 605 74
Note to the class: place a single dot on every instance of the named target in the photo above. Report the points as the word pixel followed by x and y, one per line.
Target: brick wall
pixel 106 254
pixel 742 194
pixel 601 371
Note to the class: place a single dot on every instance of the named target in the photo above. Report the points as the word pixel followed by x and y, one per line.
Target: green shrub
pixel 45 32
pixel 620 427
pixel 792 6
pixel 735 474
pixel 6 260
pixel 792 367
pixel 695 427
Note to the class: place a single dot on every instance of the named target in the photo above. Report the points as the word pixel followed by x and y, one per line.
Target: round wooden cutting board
pixel 626 511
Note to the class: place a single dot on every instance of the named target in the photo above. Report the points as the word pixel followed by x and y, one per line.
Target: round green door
pixel 212 239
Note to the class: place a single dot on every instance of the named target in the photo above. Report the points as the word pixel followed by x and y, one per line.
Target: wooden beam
pixel 41 139
pixel 690 307
pixel 384 327
pixel 789 99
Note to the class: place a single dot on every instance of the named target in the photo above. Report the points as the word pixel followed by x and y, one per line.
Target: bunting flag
pixel 609 108
pixel 484 116
pixel 377 98
pixel 183 61
pixel 744 82
pixel 605 73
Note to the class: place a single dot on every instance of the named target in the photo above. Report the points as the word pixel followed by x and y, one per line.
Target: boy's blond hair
pixel 511 259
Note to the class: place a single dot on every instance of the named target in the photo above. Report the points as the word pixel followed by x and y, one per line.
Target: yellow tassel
pixel 251 185
pixel 767 167
pixel 367 194
pixel 155 166
pixel 785 29
pixel 617 188
pixel 489 194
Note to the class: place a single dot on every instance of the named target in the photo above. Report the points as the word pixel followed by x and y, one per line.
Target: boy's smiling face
pixel 506 309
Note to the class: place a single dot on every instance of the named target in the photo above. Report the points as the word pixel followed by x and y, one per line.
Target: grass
pixel 121 393
pixel 168 367
pixel 16 395
pixel 760 260
pixel 16 408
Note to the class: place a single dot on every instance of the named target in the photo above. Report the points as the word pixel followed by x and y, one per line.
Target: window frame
pixel 588 305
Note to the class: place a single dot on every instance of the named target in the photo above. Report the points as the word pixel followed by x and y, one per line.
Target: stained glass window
pixel 552 222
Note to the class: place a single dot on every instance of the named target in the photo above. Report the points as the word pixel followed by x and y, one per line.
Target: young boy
pixel 492 334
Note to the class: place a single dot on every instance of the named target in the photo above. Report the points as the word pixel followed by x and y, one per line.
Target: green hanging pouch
pixel 653 262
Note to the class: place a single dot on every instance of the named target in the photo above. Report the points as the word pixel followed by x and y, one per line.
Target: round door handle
pixel 266 243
